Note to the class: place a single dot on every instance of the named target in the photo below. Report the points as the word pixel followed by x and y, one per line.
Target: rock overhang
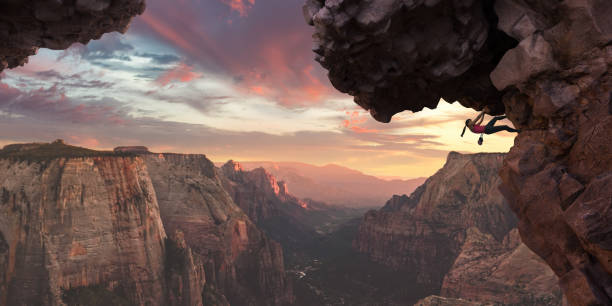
pixel 396 55
pixel 26 25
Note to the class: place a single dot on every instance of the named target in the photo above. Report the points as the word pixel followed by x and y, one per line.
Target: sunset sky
pixel 232 79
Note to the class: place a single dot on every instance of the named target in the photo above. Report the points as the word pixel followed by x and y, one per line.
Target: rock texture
pixel 239 260
pixel 146 230
pixel 258 192
pixel 26 25
pixel 458 235
pixel 424 233
pixel 79 222
pixel 395 55
pixel 553 82
pixel 500 273
pixel 434 300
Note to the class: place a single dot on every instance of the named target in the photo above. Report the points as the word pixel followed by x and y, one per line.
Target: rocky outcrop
pixel 395 55
pixel 238 258
pixel 457 233
pixel 79 222
pixel 26 25
pixel 258 192
pixel 424 233
pixel 552 79
pixel 500 273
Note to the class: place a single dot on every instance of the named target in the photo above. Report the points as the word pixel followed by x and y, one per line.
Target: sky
pixel 231 79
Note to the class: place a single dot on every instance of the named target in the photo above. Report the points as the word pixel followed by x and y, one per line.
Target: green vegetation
pixel 96 295
pixel 37 152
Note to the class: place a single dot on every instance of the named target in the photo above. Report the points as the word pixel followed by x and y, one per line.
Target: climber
pixel 490 128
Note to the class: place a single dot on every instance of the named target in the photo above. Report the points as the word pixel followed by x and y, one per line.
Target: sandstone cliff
pixel 506 273
pixel 91 227
pixel 546 64
pixel 26 25
pixel 425 232
pixel 74 222
pixel 458 235
pixel 238 258
pixel 269 204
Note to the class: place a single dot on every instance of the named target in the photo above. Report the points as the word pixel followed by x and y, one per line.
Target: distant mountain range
pixel 335 185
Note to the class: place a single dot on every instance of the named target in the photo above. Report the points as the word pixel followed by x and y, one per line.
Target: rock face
pixel 258 192
pixel 458 235
pixel 425 232
pixel 79 222
pixel 505 273
pixel 240 260
pixel 94 226
pixel 395 55
pixel 555 85
pixel 336 185
pixel 26 25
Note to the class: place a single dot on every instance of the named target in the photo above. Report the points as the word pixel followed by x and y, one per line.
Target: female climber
pixel 489 128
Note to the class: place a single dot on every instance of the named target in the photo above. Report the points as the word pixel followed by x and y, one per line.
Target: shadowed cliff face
pixel 26 25
pixel 395 55
pixel 425 232
pixel 555 85
pixel 457 234
pixel 238 258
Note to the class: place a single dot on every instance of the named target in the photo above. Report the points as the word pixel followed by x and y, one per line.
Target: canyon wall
pixel 238 258
pixel 457 233
pixel 425 232
pixel 26 25
pixel 545 64
pixel 122 228
pixel 79 222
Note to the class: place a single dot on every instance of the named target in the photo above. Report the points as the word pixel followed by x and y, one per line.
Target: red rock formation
pixel 77 222
pixel 26 25
pixel 425 232
pixel 500 273
pixel 258 192
pixel 456 232
pixel 238 258
pixel 555 85
pixel 92 223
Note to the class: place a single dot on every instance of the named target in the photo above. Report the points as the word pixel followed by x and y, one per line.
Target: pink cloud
pixel 181 73
pixel 84 141
pixel 355 119
pixel 240 6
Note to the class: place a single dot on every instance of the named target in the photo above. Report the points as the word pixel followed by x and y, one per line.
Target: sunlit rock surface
pixel 79 224
pixel 546 64
pixel 26 25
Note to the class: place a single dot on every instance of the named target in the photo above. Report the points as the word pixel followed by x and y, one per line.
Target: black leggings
pixel 490 128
